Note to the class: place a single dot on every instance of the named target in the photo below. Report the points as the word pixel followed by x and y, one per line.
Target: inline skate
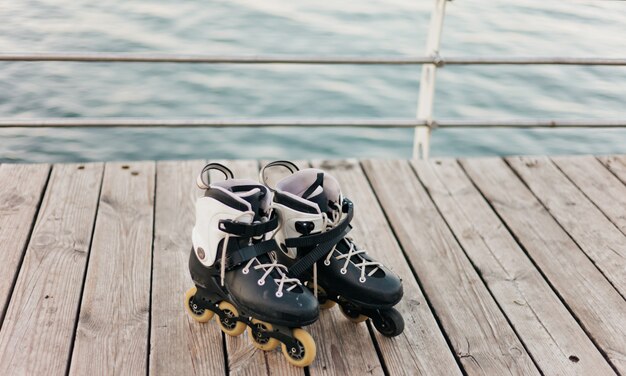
pixel 236 281
pixel 314 223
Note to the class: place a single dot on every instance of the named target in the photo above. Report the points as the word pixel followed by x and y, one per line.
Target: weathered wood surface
pixel 19 201
pixel 598 184
pixel 178 344
pixel 616 164
pixel 552 336
pixel 495 283
pixel 38 329
pixel 596 304
pixel 422 348
pixel 583 221
pixel 475 325
pixel 112 333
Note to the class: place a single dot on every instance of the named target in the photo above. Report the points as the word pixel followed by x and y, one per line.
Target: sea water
pixel 307 27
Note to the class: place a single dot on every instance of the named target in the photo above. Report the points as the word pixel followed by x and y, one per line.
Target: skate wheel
pixel 229 326
pixel 389 322
pixel 322 297
pixel 304 353
pixel 352 315
pixel 192 308
pixel 265 344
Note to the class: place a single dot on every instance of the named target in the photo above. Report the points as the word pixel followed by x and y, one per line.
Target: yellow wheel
pixel 265 344
pixel 192 308
pixel 304 353
pixel 325 302
pixel 352 315
pixel 231 327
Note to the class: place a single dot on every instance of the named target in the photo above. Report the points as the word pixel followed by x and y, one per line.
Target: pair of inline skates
pixel 268 259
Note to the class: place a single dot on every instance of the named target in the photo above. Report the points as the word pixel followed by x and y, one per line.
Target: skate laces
pixel 267 267
pixel 352 251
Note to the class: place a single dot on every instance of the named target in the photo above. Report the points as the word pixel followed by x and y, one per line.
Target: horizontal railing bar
pixel 365 123
pixel 373 60
pixel 208 122
pixel 530 123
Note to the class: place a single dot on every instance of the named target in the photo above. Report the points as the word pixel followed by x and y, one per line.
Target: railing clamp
pixel 438 61
pixel 432 124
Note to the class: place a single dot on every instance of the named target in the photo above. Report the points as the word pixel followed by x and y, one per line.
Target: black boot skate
pixel 315 220
pixel 235 278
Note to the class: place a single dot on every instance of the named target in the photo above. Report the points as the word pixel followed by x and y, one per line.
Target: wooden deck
pixel 510 266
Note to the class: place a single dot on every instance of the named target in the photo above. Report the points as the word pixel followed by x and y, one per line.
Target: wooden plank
pixel 178 345
pixel 477 329
pixel 37 334
pixel 616 164
pixel 554 339
pixel 422 348
pixel 112 334
pixel 334 335
pixel 20 194
pixel 585 223
pixel 598 184
pixel 597 305
pixel 243 357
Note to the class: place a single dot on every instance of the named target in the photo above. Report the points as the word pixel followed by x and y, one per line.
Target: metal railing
pixel 280 122
pixel 437 60
pixel 423 123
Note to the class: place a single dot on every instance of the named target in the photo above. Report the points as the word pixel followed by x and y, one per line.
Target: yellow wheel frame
pixel 356 320
pixel 238 328
pixel 206 315
pixel 306 352
pixel 271 343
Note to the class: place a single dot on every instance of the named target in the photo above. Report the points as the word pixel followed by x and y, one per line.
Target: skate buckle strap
pixel 324 242
pixel 237 257
pixel 248 230
pixel 306 262
pixel 335 234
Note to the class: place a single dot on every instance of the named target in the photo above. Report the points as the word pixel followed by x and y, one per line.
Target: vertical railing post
pixel 421 143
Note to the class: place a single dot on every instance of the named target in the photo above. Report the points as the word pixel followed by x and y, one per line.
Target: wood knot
pixel 11 201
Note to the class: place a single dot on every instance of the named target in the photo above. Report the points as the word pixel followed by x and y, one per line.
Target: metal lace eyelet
pixel 279 294
pixel 245 271
pixel 327 262
pixel 343 271
pixel 260 282
pixel 362 279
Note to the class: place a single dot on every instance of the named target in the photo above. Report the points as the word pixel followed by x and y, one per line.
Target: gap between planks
pixel 553 337
pixel 597 306
pixel 479 332
pixel 422 347
pixel 38 330
pixel 113 327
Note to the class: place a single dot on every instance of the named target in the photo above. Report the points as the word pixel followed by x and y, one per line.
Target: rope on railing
pixel 351 60
pixel 265 122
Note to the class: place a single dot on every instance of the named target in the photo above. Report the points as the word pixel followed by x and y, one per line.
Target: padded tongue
pixel 254 196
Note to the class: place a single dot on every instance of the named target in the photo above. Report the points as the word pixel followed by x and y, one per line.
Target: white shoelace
pixel 353 251
pixel 280 268
pixel 268 267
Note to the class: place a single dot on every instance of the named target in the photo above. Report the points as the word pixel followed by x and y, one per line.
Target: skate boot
pixel 235 278
pixel 314 223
